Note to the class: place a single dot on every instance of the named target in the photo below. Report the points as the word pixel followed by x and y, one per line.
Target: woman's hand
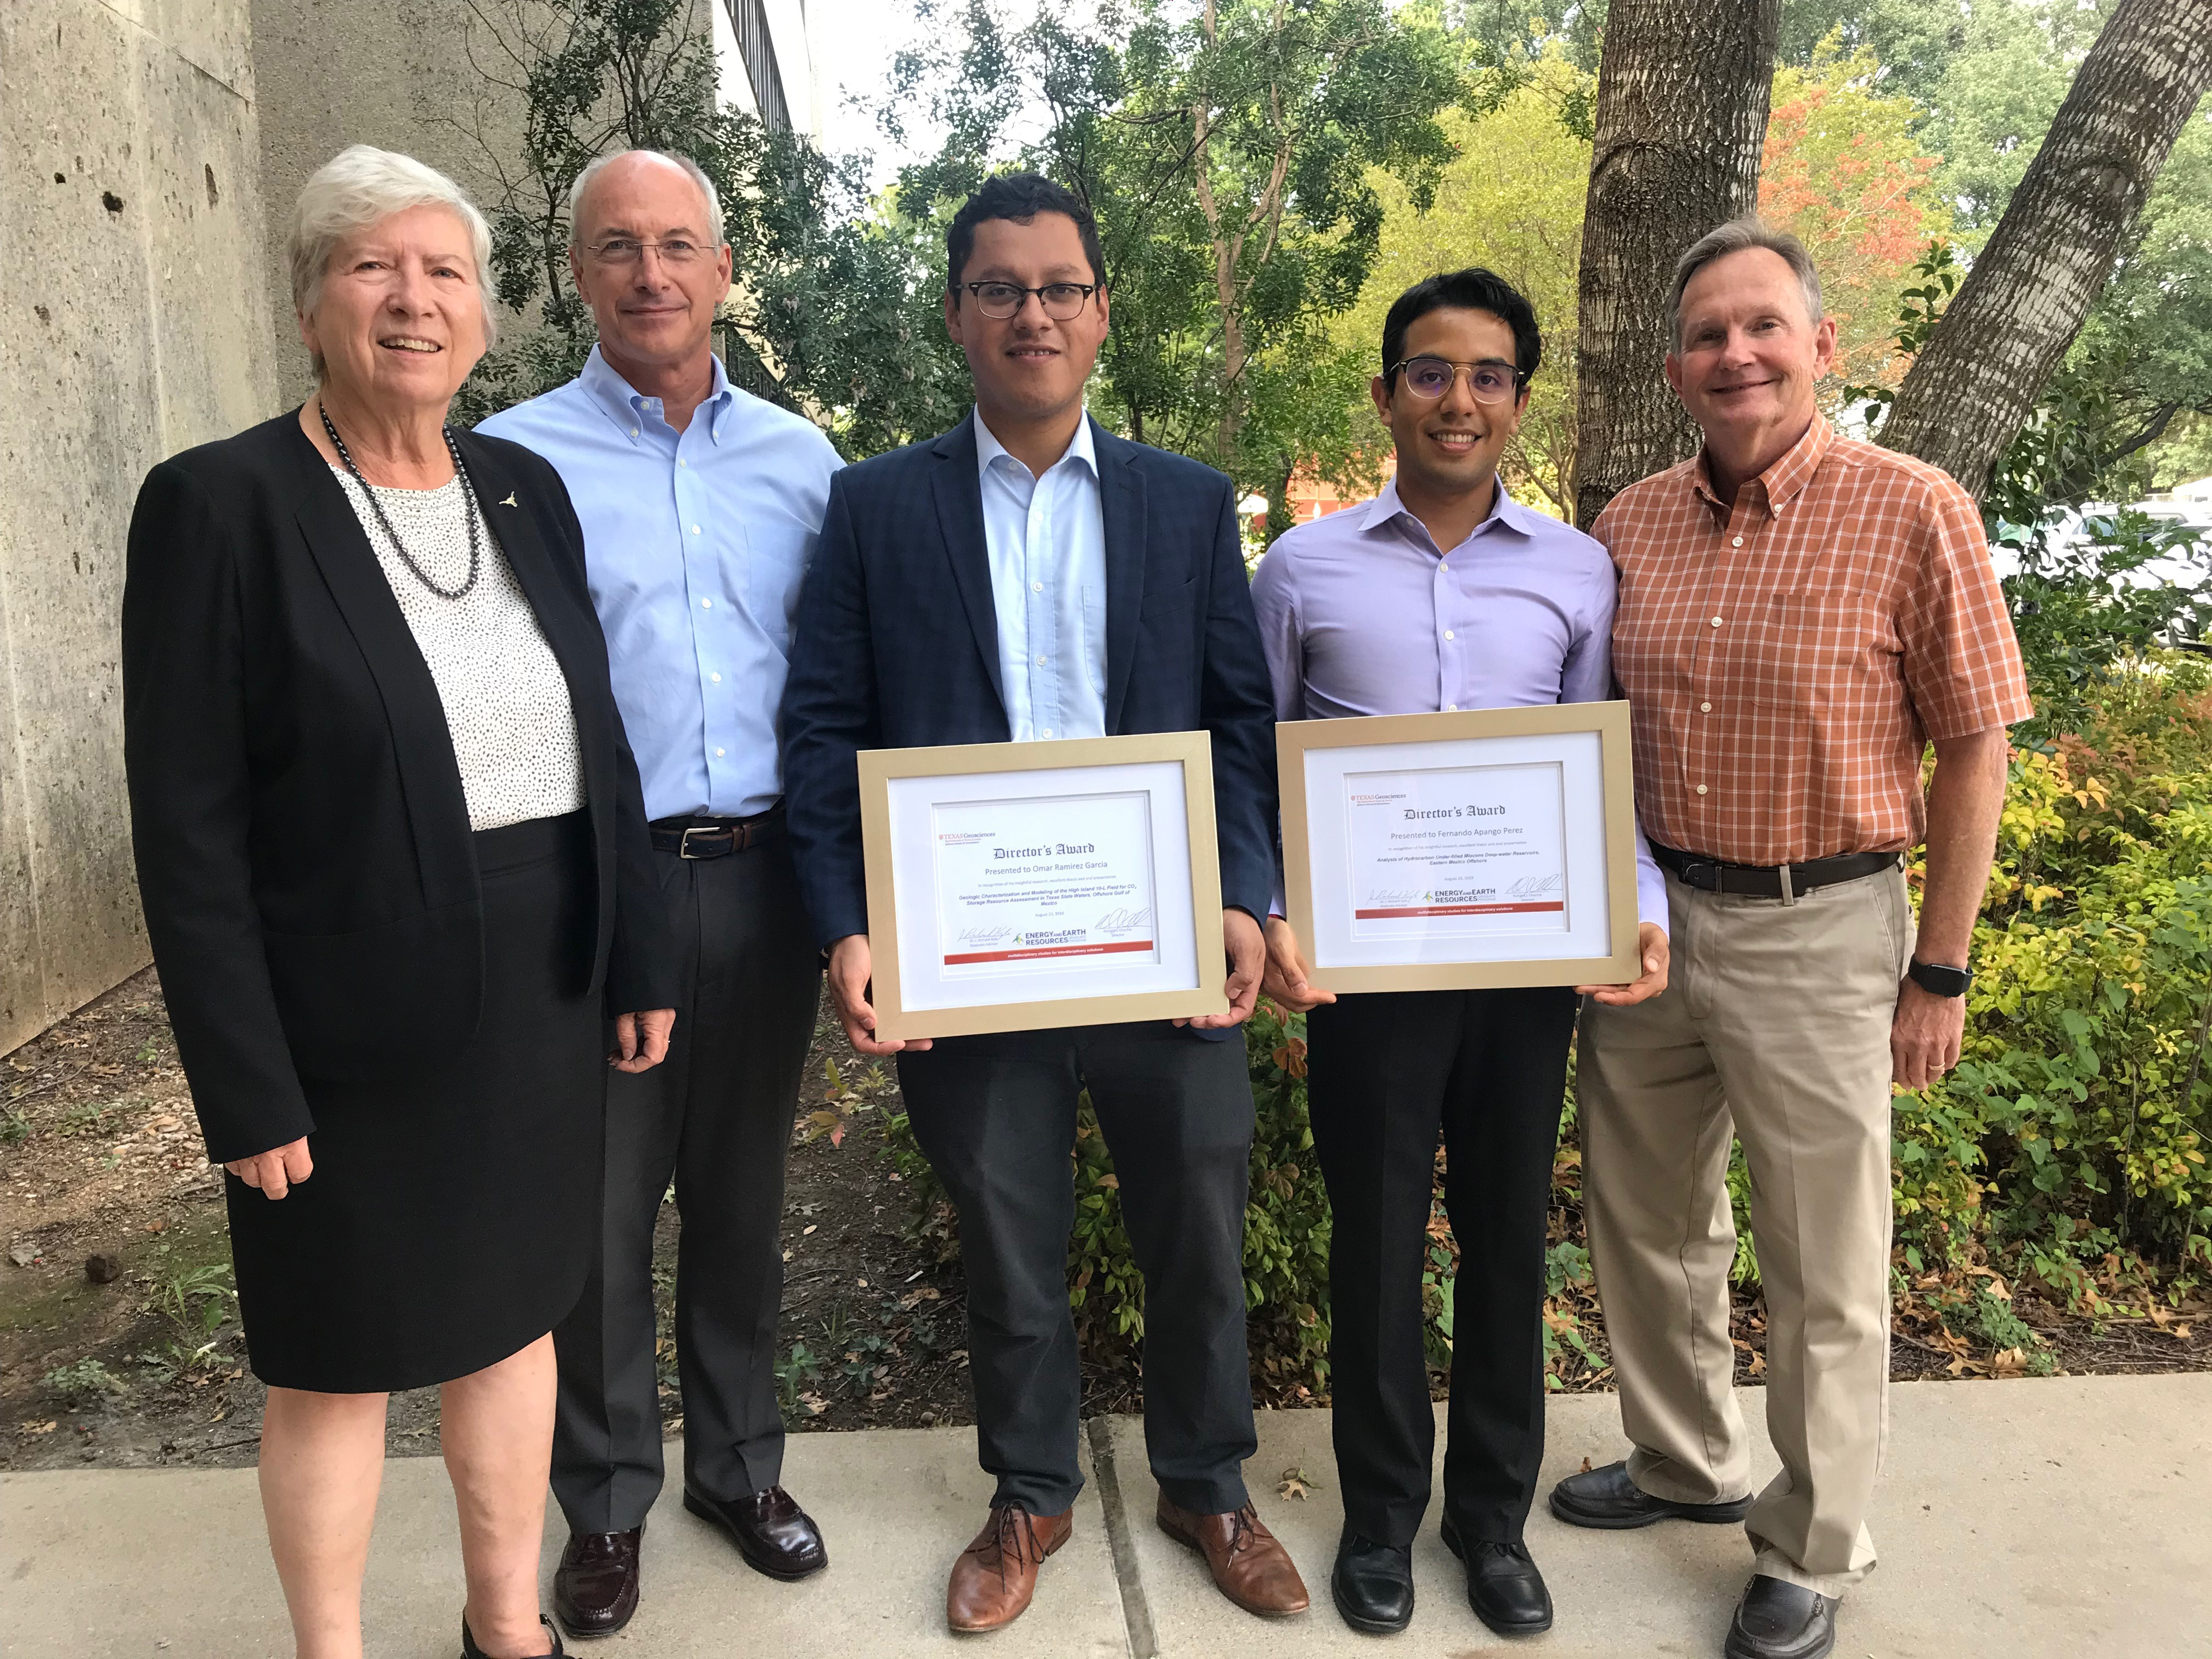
pixel 641 1040
pixel 274 1171
pixel 1651 947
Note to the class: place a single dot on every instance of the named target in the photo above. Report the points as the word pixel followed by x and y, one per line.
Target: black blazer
pixel 303 844
pixel 897 647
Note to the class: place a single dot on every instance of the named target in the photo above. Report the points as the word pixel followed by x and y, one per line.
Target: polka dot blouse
pixel 506 700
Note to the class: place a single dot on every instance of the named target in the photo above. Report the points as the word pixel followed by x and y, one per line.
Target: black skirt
pixel 450 1216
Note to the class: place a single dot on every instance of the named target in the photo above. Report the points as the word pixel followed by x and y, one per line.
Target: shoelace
pixel 1242 1529
pixel 1013 1521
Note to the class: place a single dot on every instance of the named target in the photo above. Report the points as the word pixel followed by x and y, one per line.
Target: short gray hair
pixel 690 169
pixel 362 186
pixel 1741 236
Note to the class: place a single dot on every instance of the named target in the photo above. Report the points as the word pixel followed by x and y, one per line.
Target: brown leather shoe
pixel 1249 1564
pixel 595 1587
pixel 773 1534
pixel 996 1575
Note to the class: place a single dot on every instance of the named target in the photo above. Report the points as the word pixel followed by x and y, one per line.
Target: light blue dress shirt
pixel 695 541
pixel 1047 542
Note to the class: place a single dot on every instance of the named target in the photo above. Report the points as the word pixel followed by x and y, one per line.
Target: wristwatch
pixel 1938 981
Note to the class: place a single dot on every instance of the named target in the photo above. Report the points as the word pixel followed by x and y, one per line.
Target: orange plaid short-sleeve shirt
pixel 1787 661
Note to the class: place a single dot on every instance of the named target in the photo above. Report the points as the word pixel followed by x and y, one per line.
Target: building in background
pixel 768 63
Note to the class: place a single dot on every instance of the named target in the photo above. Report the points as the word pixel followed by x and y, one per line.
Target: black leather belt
pixel 716 838
pixel 1783 881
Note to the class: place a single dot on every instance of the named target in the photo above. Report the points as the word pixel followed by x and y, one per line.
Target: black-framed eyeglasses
pixel 1490 381
pixel 999 301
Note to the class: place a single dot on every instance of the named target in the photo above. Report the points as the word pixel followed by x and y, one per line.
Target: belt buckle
pixel 683 846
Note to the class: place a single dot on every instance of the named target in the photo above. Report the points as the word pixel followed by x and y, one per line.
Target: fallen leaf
pixel 1295 1483
pixel 808 1228
pixel 1586 1465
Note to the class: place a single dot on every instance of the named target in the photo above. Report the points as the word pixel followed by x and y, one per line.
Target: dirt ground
pixel 119 1344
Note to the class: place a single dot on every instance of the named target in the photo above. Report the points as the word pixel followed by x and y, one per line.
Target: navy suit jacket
pixel 897 647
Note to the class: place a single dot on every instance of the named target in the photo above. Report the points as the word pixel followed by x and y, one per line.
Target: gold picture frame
pixel 1185 873
pixel 1456 730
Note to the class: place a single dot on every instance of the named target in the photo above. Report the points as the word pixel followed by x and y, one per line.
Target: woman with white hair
pixel 394 861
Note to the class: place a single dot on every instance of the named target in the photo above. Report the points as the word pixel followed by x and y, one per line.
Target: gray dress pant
pixel 715 1117
pixel 996 1116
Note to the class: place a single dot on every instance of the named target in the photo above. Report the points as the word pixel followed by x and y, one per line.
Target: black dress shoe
pixel 773 1534
pixel 1373 1584
pixel 471 1650
pixel 595 1587
pixel 1606 1498
pixel 1503 1585
pixel 1778 1620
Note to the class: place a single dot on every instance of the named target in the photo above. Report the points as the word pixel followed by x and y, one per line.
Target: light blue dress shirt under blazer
pixel 1046 538
pixel 695 541
pixel 1361 613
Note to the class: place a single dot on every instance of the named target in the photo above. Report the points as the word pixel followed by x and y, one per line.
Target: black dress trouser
pixel 1387 1071
pixel 714 1117
pixel 996 1116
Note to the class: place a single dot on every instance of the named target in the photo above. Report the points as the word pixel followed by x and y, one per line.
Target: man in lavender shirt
pixel 1440 593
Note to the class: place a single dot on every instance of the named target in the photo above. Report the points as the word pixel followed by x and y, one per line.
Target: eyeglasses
pixel 627 251
pixel 1432 377
pixel 999 301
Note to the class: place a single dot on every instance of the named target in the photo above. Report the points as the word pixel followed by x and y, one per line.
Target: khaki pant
pixel 1775 1022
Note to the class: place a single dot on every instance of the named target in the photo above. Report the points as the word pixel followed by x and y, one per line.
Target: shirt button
pixel 1701 788
pixel 1716 622
pixel 1451 707
pixel 706 604
pixel 718 754
pixel 1449 635
pixel 679 461
pixel 1703 708
pixel 717 679
pixel 694 529
pixel 1036 587
pixel 1045 732
pixel 1738 542
pixel 632 432
pixel 1441 565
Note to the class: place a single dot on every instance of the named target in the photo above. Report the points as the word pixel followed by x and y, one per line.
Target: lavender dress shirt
pixel 1361 613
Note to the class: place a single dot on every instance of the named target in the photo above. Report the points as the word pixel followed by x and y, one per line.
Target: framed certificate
pixel 1483 846
pixel 1015 886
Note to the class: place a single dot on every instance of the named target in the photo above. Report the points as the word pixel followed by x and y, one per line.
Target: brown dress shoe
pixel 773 1534
pixel 1249 1564
pixel 595 1587
pixel 996 1575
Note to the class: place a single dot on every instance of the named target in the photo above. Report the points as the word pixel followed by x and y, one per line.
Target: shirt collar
pixel 1080 448
pixel 1785 478
pixel 625 404
pixel 1387 509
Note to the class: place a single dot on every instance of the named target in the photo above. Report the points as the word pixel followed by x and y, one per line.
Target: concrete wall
pixel 133 324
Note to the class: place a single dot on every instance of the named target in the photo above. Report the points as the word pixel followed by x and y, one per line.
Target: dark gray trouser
pixel 996 1116
pixel 715 1116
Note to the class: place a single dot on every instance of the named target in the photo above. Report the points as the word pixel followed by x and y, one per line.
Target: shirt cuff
pixel 1651 885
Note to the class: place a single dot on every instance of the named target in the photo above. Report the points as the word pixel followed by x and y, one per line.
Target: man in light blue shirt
pixel 701 508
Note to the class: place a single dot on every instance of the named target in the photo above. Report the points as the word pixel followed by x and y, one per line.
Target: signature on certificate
pixel 1392 897
pixel 1122 921
pixel 1531 886
pixel 984 935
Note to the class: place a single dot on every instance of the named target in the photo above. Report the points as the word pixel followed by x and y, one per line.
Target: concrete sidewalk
pixel 2019 1520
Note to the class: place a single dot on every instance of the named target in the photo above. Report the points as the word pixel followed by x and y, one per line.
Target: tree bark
pixel 1682 99
pixel 1975 381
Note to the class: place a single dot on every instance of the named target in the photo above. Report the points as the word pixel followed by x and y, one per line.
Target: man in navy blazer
pixel 1028 576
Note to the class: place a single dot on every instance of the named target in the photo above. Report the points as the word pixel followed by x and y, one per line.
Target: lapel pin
pixel 510 500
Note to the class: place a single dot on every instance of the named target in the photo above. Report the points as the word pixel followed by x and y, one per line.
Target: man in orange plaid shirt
pixel 1800 615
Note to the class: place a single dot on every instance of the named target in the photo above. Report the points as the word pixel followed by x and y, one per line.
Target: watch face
pixel 1942 981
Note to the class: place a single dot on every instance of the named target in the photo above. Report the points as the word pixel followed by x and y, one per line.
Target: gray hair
pixel 362 186
pixel 689 168
pixel 1740 236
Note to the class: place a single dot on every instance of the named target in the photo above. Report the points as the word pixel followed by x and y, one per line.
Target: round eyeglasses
pixel 1432 377
pixel 1062 301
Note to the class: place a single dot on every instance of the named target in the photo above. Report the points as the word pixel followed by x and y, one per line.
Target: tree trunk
pixel 1973 383
pixel 1681 119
